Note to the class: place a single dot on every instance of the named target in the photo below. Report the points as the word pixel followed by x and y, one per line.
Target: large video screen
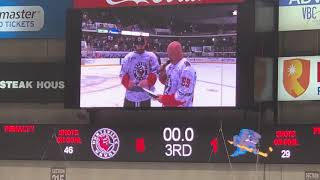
pixel 182 56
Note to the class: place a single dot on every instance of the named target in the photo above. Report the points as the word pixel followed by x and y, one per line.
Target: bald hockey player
pixel 179 78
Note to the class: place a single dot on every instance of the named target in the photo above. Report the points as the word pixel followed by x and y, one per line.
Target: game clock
pixel 183 142
pixel 157 143
pixel 178 141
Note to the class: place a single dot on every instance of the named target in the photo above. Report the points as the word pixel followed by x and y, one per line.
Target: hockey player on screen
pixel 139 70
pixel 179 78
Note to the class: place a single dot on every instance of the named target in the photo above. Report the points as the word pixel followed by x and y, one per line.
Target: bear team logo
pixel 105 143
pixel 296 76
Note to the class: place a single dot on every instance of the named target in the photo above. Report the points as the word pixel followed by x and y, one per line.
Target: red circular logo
pixel 105 143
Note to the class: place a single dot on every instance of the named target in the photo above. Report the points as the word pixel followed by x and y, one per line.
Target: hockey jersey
pixel 138 67
pixel 180 83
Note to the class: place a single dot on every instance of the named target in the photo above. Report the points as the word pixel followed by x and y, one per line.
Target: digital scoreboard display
pixel 161 143
pixel 293 144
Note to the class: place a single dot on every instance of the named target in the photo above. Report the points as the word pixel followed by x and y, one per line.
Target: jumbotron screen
pixel 182 56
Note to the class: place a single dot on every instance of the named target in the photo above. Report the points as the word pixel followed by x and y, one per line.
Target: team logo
pixel 140 71
pixel 296 75
pixel 105 143
pixel 247 142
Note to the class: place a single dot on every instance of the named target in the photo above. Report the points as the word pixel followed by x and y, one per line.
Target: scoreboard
pixel 294 144
pixel 161 143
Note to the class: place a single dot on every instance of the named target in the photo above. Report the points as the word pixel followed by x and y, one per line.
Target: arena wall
pixel 35 170
pixel 51 50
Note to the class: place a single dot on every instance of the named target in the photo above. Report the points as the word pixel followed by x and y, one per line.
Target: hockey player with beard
pixel 139 70
pixel 179 78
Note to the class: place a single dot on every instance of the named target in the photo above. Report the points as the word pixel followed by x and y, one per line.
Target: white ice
pixel 215 86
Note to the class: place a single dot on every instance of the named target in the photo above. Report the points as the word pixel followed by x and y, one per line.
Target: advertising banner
pixel 33 18
pixel 112 3
pixel 30 83
pixel 299 78
pixel 299 15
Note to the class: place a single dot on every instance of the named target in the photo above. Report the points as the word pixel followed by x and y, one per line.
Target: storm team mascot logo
pixel 296 75
pixel 246 141
pixel 105 143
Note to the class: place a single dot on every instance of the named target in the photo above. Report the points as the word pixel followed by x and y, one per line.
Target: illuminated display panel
pixel 299 78
pixel 112 69
pixel 292 144
pixel 210 38
pixel 111 3
pixel 68 136
pixel 295 15
pixel 171 142
pixel 162 142
pixel 19 129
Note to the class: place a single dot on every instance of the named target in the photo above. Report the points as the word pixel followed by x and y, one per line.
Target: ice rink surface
pixel 215 86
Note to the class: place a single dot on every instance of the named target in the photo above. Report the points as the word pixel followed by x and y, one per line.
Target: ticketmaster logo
pixel 21 18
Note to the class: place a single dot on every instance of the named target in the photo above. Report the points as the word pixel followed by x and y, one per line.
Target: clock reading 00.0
pixel 178 142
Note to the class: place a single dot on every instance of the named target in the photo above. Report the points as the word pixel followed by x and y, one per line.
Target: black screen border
pixel 245 56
